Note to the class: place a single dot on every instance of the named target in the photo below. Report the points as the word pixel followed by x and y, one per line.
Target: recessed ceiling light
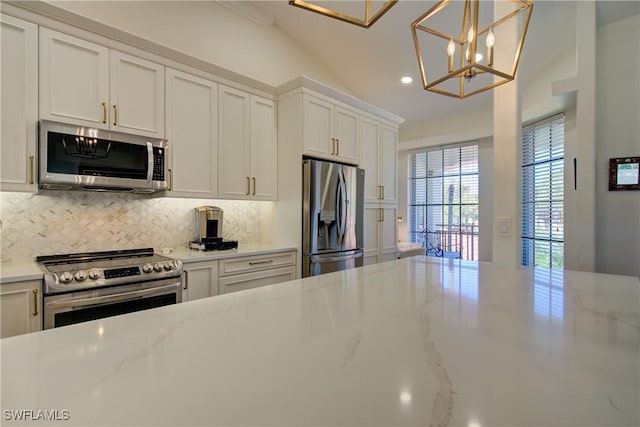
pixel 479 57
pixel 406 80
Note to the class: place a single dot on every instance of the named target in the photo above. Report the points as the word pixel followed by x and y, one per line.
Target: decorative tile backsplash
pixel 57 222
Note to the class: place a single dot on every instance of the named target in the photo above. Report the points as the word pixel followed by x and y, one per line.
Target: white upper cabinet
pixel 264 149
pixel 389 164
pixel 19 110
pixel 329 131
pixel 192 131
pixel 90 85
pixel 247 146
pixel 379 159
pixel 234 179
pixel 136 89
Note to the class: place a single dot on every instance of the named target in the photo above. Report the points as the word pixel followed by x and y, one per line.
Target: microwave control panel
pixel 158 164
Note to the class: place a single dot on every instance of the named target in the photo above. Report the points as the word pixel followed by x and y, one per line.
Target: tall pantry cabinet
pixel 379 159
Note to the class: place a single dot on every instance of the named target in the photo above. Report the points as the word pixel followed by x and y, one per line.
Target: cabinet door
pixel 200 280
pixel 371 216
pixel 318 138
pixel 369 159
pixel 388 244
pixel 264 149
pixel 74 81
pixel 192 131
pixel 346 134
pixel 136 95
pixel 388 164
pixel 234 178
pixel 19 109
pixel 20 308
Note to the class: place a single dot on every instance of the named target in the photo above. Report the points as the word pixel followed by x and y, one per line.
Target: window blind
pixel 443 200
pixel 543 194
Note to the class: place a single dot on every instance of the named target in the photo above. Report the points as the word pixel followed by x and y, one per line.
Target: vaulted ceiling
pixel 371 61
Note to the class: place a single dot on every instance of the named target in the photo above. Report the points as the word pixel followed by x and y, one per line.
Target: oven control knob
pixel 157 266
pixel 81 275
pixel 147 268
pixel 168 265
pixel 66 277
pixel 94 274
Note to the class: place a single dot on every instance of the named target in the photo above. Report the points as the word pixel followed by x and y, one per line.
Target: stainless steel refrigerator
pixel 333 197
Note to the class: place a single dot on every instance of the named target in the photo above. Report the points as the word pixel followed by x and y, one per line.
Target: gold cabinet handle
pixel 254 186
pixel 337 147
pixel 379 215
pixel 115 115
pixel 333 146
pixel 382 213
pixel 170 179
pixel 382 187
pixel 31 171
pixel 35 302
pixel 104 112
pixel 270 261
pixel 379 192
pixel 186 280
pixel 248 186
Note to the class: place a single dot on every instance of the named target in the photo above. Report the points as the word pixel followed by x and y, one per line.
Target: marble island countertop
pixel 418 341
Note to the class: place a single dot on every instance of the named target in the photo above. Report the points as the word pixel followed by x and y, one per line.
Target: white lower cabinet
pixel 20 307
pixel 240 282
pixel 200 280
pixel 237 274
pixel 380 235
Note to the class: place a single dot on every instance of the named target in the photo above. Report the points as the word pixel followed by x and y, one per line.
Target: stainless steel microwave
pixel 80 158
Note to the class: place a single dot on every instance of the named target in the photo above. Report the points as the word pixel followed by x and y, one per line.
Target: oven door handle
pixel 82 302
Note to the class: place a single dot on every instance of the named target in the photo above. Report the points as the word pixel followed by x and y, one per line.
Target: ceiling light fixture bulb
pixel 406 80
pixel 451 48
pixel 491 38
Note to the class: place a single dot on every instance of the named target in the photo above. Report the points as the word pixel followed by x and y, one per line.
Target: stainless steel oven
pixel 90 286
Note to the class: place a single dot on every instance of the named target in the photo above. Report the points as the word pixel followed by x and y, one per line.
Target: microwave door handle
pixel 149 164
pixel 82 302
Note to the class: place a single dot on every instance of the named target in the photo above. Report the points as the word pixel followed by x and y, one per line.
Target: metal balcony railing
pixel 450 241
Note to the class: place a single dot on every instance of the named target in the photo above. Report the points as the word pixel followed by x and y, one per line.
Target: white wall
pixel 213 33
pixel 618 135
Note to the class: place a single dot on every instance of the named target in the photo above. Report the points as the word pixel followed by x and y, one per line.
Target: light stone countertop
pixel 418 341
pixel 19 270
pixel 244 249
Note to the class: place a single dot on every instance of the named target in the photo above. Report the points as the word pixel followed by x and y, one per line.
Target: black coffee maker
pixel 209 230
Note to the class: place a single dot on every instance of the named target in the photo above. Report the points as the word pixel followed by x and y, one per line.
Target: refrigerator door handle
pixel 318 259
pixel 343 207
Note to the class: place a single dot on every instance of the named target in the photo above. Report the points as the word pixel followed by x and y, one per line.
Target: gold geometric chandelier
pixel 469 68
pixel 366 22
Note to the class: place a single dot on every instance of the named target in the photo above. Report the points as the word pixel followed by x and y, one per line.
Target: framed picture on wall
pixel 624 173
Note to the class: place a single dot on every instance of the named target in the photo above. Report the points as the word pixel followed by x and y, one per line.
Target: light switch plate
pixel 504 226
